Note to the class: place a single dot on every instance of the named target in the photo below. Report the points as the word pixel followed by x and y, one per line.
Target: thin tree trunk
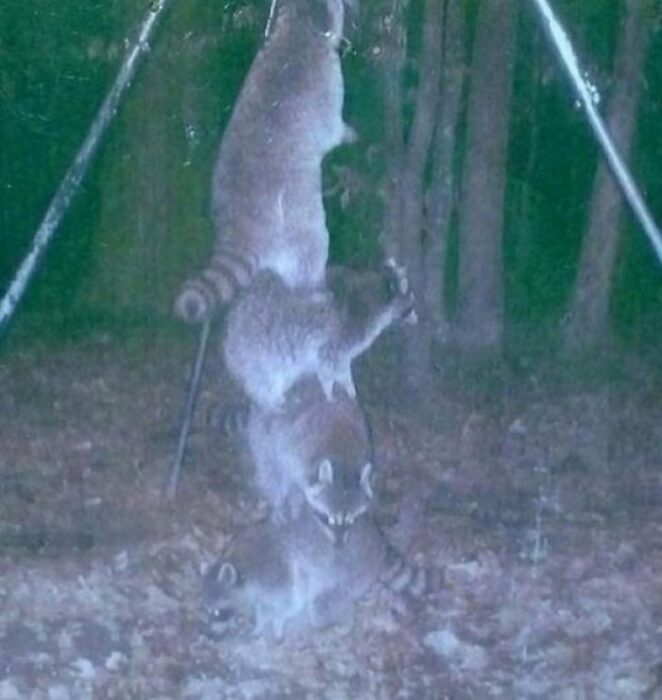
pixel 440 194
pixel 588 316
pixel 480 279
pixel 395 54
pixel 416 367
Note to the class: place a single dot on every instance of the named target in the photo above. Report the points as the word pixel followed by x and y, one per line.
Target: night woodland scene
pixel 330 355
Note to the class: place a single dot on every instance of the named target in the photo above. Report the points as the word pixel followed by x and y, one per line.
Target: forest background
pixel 474 166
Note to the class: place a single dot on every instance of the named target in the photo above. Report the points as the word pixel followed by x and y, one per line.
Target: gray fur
pixel 267 184
pixel 291 578
pixel 315 452
pixel 275 335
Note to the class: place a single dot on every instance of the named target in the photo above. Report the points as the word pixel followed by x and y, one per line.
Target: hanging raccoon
pixel 267 184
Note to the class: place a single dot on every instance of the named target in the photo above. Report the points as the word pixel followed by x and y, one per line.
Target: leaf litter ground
pixel 540 502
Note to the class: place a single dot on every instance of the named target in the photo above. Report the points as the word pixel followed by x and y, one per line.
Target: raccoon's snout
pixel 336 527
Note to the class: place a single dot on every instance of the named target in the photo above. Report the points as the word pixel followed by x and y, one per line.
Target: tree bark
pixel 480 273
pixel 587 321
pixel 394 47
pixel 416 366
pixel 441 192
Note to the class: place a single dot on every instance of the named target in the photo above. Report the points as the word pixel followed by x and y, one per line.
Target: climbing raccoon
pixel 317 453
pixel 275 335
pixel 290 578
pixel 267 184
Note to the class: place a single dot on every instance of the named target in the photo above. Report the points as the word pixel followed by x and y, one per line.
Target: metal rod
pixel 189 407
pixel 270 19
pixel 621 173
pixel 78 169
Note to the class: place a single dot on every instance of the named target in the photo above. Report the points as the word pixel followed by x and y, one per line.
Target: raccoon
pixel 290 578
pixel 275 335
pixel 267 184
pixel 316 454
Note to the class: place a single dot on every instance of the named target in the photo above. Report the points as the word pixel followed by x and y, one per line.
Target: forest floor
pixel 541 502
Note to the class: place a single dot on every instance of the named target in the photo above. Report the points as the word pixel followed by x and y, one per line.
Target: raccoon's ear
pixel 227 575
pixel 366 473
pixel 325 472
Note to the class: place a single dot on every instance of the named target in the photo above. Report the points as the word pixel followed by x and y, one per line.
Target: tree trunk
pixel 394 43
pixel 480 274
pixel 416 362
pixel 440 194
pixel 588 316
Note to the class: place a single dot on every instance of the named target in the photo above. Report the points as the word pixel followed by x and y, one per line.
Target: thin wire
pixel 189 407
pixel 78 169
pixel 621 173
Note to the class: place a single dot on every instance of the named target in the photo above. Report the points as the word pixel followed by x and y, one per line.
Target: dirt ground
pixel 540 501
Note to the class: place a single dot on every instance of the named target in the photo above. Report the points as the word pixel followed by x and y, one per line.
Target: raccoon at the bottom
pixel 290 578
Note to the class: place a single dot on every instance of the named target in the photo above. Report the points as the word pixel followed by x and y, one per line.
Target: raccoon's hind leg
pixel 337 374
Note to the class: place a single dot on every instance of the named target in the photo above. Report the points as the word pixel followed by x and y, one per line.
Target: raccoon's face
pixel 222 593
pixel 339 496
pixel 398 293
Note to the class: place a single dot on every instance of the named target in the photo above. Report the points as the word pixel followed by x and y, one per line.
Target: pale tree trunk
pixel 440 195
pixel 394 47
pixel 480 273
pixel 416 362
pixel 587 321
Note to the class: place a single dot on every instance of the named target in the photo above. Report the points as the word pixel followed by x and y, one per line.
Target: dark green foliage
pixel 140 225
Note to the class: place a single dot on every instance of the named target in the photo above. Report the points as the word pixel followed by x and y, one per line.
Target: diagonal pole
pixel 189 407
pixel 619 169
pixel 78 169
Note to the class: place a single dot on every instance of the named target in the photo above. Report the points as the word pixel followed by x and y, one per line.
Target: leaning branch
pixel 77 170
pixel 621 173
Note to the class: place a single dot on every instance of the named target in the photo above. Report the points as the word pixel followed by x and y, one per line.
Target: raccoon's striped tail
pixel 402 577
pixel 201 296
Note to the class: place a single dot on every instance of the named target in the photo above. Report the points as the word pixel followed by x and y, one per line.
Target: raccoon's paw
pixel 404 303
pixel 194 304
pixel 400 272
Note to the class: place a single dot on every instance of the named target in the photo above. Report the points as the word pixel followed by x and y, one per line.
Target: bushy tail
pixel 201 296
pixel 402 577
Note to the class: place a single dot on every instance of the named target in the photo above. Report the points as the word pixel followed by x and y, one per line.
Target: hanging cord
pixel 618 167
pixel 189 408
pixel 78 169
